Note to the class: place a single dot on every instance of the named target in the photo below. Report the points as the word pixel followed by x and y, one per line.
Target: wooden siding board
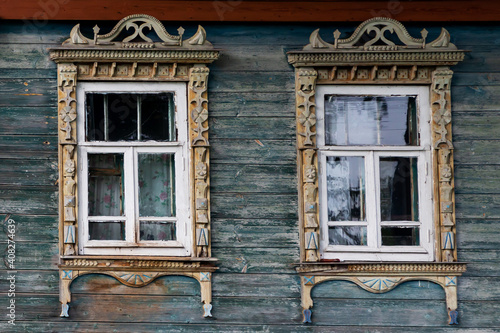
pixel 254 192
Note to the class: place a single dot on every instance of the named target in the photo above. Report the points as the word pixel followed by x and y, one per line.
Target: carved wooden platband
pixel 380 51
pixel 136 57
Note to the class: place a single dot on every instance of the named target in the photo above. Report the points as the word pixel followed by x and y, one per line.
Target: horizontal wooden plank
pixel 471 206
pixel 255 11
pixel 473 152
pixel 245 104
pixel 25 32
pixel 253 128
pixel 256 260
pixel 476 125
pixel 470 288
pixel 36 147
pixel 481 234
pixel 29 120
pixel 42 228
pixel 253 178
pixel 233 233
pixel 32 200
pixel 241 310
pixel 254 205
pixel 481 179
pixel 257 152
pixel 28 92
pixel 59 325
pixel 25 172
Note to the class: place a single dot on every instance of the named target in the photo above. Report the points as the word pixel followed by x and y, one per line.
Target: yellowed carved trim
pixel 308 164
pixel 443 159
pixel 378 60
pixel 135 279
pixel 200 159
pixel 106 58
pixel 66 87
pixel 381 284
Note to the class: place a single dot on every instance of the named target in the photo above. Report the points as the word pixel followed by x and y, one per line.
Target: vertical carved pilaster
pixel 306 143
pixel 198 127
pixel 306 107
pixel 198 103
pixel 443 156
pixel 67 154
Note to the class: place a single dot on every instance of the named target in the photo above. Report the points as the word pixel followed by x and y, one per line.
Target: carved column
pixel 198 127
pixel 443 159
pixel 308 161
pixel 67 156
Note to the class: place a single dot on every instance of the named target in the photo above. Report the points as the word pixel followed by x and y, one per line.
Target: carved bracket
pixel 135 279
pixel 380 278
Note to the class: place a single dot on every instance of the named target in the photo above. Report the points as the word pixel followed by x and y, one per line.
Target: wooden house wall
pixel 254 198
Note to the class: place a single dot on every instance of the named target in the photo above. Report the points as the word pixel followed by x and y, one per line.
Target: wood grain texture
pixel 253 11
pixel 254 193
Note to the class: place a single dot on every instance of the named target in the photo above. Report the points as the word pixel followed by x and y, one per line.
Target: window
pixel 374 181
pixel 132 149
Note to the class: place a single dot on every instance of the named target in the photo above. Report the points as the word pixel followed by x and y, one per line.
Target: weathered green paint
pixel 254 198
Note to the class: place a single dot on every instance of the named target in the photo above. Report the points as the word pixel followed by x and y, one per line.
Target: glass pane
pixel 400 236
pixel 156 185
pixel 345 177
pixel 157 117
pixel 106 230
pixel 95 117
pixel 105 184
pixel 122 117
pixel 398 189
pixel 157 231
pixel 351 235
pixel 114 117
pixel 370 120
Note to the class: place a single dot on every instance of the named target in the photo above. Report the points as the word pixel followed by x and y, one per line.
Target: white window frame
pixel 183 243
pixel 373 251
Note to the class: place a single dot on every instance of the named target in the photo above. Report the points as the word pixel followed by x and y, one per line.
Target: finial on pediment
pixel 138 25
pixel 373 34
pixel 96 31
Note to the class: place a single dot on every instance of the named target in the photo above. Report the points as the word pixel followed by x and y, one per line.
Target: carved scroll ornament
pixel 138 23
pixel 371 35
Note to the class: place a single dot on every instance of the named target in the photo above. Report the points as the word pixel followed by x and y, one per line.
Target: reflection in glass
pixel 157 231
pixel 345 177
pixel 115 117
pixel 156 185
pixel 106 230
pixel 400 236
pixel 157 117
pixel 347 235
pixel 398 189
pixel 370 120
pixel 105 187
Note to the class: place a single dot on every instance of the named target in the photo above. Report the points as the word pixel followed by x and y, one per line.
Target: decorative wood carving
pixel 137 57
pixel 380 51
pixel 443 158
pixel 202 274
pixel 381 278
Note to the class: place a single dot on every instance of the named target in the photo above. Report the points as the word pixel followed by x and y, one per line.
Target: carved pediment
pixel 137 26
pixel 380 34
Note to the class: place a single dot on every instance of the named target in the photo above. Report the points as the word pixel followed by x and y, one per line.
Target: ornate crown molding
pixel 136 46
pixel 370 44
